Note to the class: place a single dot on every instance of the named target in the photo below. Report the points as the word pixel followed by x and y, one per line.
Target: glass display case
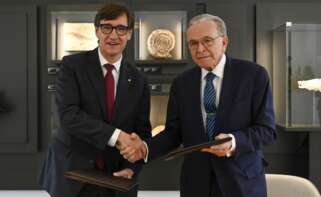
pixel 296 76
pixel 72 32
pixel 160 35
pixel 160 46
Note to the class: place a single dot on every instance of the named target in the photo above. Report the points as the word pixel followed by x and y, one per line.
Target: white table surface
pixel 39 193
pixel 158 193
pixel 23 193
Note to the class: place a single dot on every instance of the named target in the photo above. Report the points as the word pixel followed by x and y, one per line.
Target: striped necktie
pixel 209 100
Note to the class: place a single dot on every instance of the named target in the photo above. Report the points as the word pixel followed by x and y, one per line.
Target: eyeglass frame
pixel 112 29
pixel 203 42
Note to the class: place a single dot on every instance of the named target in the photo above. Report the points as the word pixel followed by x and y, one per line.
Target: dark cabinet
pixel 18 79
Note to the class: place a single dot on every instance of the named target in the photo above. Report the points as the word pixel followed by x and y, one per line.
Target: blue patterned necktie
pixel 209 104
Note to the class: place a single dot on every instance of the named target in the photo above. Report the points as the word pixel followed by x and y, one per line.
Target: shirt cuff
pixel 113 139
pixel 233 145
pixel 146 158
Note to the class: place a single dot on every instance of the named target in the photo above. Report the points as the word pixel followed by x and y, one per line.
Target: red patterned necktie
pixel 110 97
pixel 110 90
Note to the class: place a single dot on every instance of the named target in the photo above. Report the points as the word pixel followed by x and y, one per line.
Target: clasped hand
pixel 131 147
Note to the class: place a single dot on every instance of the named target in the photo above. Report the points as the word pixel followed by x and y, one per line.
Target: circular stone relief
pixel 160 43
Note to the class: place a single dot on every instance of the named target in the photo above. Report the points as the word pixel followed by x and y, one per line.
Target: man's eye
pixel 193 43
pixel 208 40
pixel 107 27
pixel 121 28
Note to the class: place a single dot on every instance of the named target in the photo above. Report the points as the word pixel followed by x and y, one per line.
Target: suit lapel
pixel 125 78
pixel 195 89
pixel 227 90
pixel 96 76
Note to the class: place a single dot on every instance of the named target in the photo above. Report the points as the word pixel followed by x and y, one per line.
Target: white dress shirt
pixel 218 71
pixel 112 141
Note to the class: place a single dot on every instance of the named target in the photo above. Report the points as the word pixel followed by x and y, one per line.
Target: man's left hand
pixel 125 173
pixel 220 150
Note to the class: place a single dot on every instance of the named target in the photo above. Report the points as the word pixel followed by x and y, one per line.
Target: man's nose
pixel 113 34
pixel 200 47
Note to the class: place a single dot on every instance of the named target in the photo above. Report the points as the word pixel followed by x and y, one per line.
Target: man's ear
pixel 225 42
pixel 129 34
pixel 96 31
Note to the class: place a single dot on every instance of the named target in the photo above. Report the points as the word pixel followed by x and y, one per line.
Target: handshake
pixel 131 147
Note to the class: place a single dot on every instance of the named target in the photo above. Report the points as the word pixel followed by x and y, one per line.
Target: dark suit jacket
pixel 80 100
pixel 245 110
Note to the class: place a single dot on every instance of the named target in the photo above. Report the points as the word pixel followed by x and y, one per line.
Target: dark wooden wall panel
pixel 18 80
pixel 234 15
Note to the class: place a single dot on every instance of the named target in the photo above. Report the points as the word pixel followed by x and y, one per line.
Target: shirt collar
pixel 218 70
pixel 103 61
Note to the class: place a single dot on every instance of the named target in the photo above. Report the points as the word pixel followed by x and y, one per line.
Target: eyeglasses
pixel 207 41
pixel 108 29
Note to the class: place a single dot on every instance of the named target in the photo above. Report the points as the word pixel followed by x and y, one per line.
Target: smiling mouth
pixel 113 43
pixel 203 57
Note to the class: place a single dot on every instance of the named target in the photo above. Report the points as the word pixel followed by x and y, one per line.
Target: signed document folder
pixel 190 149
pixel 96 177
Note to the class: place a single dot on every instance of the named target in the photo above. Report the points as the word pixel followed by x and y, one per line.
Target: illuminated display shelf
pixel 156 31
pixel 297 57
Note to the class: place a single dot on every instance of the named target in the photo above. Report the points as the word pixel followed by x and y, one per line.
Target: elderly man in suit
pixel 219 97
pixel 101 99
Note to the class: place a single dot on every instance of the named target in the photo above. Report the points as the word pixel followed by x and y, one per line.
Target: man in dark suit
pixel 100 98
pixel 219 97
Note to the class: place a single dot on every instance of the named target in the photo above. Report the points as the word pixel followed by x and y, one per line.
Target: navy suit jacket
pixel 81 105
pixel 245 109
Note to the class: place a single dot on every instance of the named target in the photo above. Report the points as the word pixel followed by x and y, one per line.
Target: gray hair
pixel 204 17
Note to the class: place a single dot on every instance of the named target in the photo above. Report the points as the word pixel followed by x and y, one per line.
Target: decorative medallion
pixel 160 43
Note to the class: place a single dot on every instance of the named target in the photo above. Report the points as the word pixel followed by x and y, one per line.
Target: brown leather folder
pixel 190 149
pixel 100 178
